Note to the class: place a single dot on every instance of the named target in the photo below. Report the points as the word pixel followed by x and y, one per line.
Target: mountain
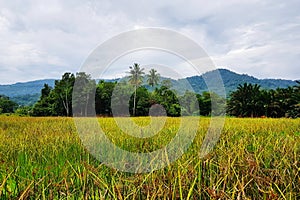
pixel 231 80
pixel 28 93
pixel 19 89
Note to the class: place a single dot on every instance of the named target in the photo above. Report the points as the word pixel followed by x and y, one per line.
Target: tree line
pixel 252 101
pixel 110 98
pixel 58 101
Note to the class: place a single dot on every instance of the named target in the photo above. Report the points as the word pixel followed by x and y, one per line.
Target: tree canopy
pixel 249 100
pixel 6 105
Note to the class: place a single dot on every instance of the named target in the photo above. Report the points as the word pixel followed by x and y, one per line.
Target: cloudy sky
pixel 44 39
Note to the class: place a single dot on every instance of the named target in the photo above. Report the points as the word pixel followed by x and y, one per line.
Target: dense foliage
pixel 251 101
pixel 6 105
pixel 247 101
pixel 28 93
pixel 57 101
pixel 26 99
pixel 145 91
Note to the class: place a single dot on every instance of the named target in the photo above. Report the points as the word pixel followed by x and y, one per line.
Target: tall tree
pixel 153 77
pixel 294 101
pixel 296 96
pixel 44 106
pixel 104 92
pixel 135 78
pixel 45 91
pixel 204 101
pixel 120 99
pixel 62 94
pixel 84 94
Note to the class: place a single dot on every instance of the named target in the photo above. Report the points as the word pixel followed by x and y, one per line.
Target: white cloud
pixel 39 39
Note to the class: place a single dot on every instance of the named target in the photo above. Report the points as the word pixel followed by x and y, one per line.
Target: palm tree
pixel 246 101
pixel 153 77
pixel 135 78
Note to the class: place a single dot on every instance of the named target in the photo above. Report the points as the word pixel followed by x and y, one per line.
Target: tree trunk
pixel 134 100
pixel 67 105
pixel 86 104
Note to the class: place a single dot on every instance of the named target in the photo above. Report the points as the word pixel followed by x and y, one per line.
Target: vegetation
pixel 58 101
pixel 247 101
pixel 250 101
pixel 53 102
pixel 6 105
pixel 231 81
pixel 26 99
pixel 43 158
pixel 135 78
pixel 28 93
pixel 103 95
pixel 153 77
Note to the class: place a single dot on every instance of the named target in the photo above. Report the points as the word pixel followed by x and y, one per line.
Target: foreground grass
pixel 43 158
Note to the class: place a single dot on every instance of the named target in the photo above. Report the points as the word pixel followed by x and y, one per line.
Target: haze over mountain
pixel 28 93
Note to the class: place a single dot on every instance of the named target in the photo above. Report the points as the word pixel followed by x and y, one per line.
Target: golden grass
pixel 43 158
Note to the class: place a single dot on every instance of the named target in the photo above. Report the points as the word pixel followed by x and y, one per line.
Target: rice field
pixel 44 158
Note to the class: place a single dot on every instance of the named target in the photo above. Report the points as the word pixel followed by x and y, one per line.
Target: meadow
pixel 44 158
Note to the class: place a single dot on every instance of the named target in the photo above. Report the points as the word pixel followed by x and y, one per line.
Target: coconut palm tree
pixel 135 78
pixel 153 77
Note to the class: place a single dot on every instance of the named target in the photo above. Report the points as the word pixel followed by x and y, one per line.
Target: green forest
pixel 248 100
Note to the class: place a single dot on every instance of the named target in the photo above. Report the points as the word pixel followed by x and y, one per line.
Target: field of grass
pixel 43 158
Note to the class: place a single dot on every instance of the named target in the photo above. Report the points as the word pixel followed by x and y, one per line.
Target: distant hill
pixel 19 89
pixel 231 81
pixel 28 93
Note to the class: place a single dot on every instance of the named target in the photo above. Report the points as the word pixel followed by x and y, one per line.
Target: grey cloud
pixel 250 37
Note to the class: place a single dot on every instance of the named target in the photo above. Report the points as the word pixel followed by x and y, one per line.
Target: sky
pixel 44 39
